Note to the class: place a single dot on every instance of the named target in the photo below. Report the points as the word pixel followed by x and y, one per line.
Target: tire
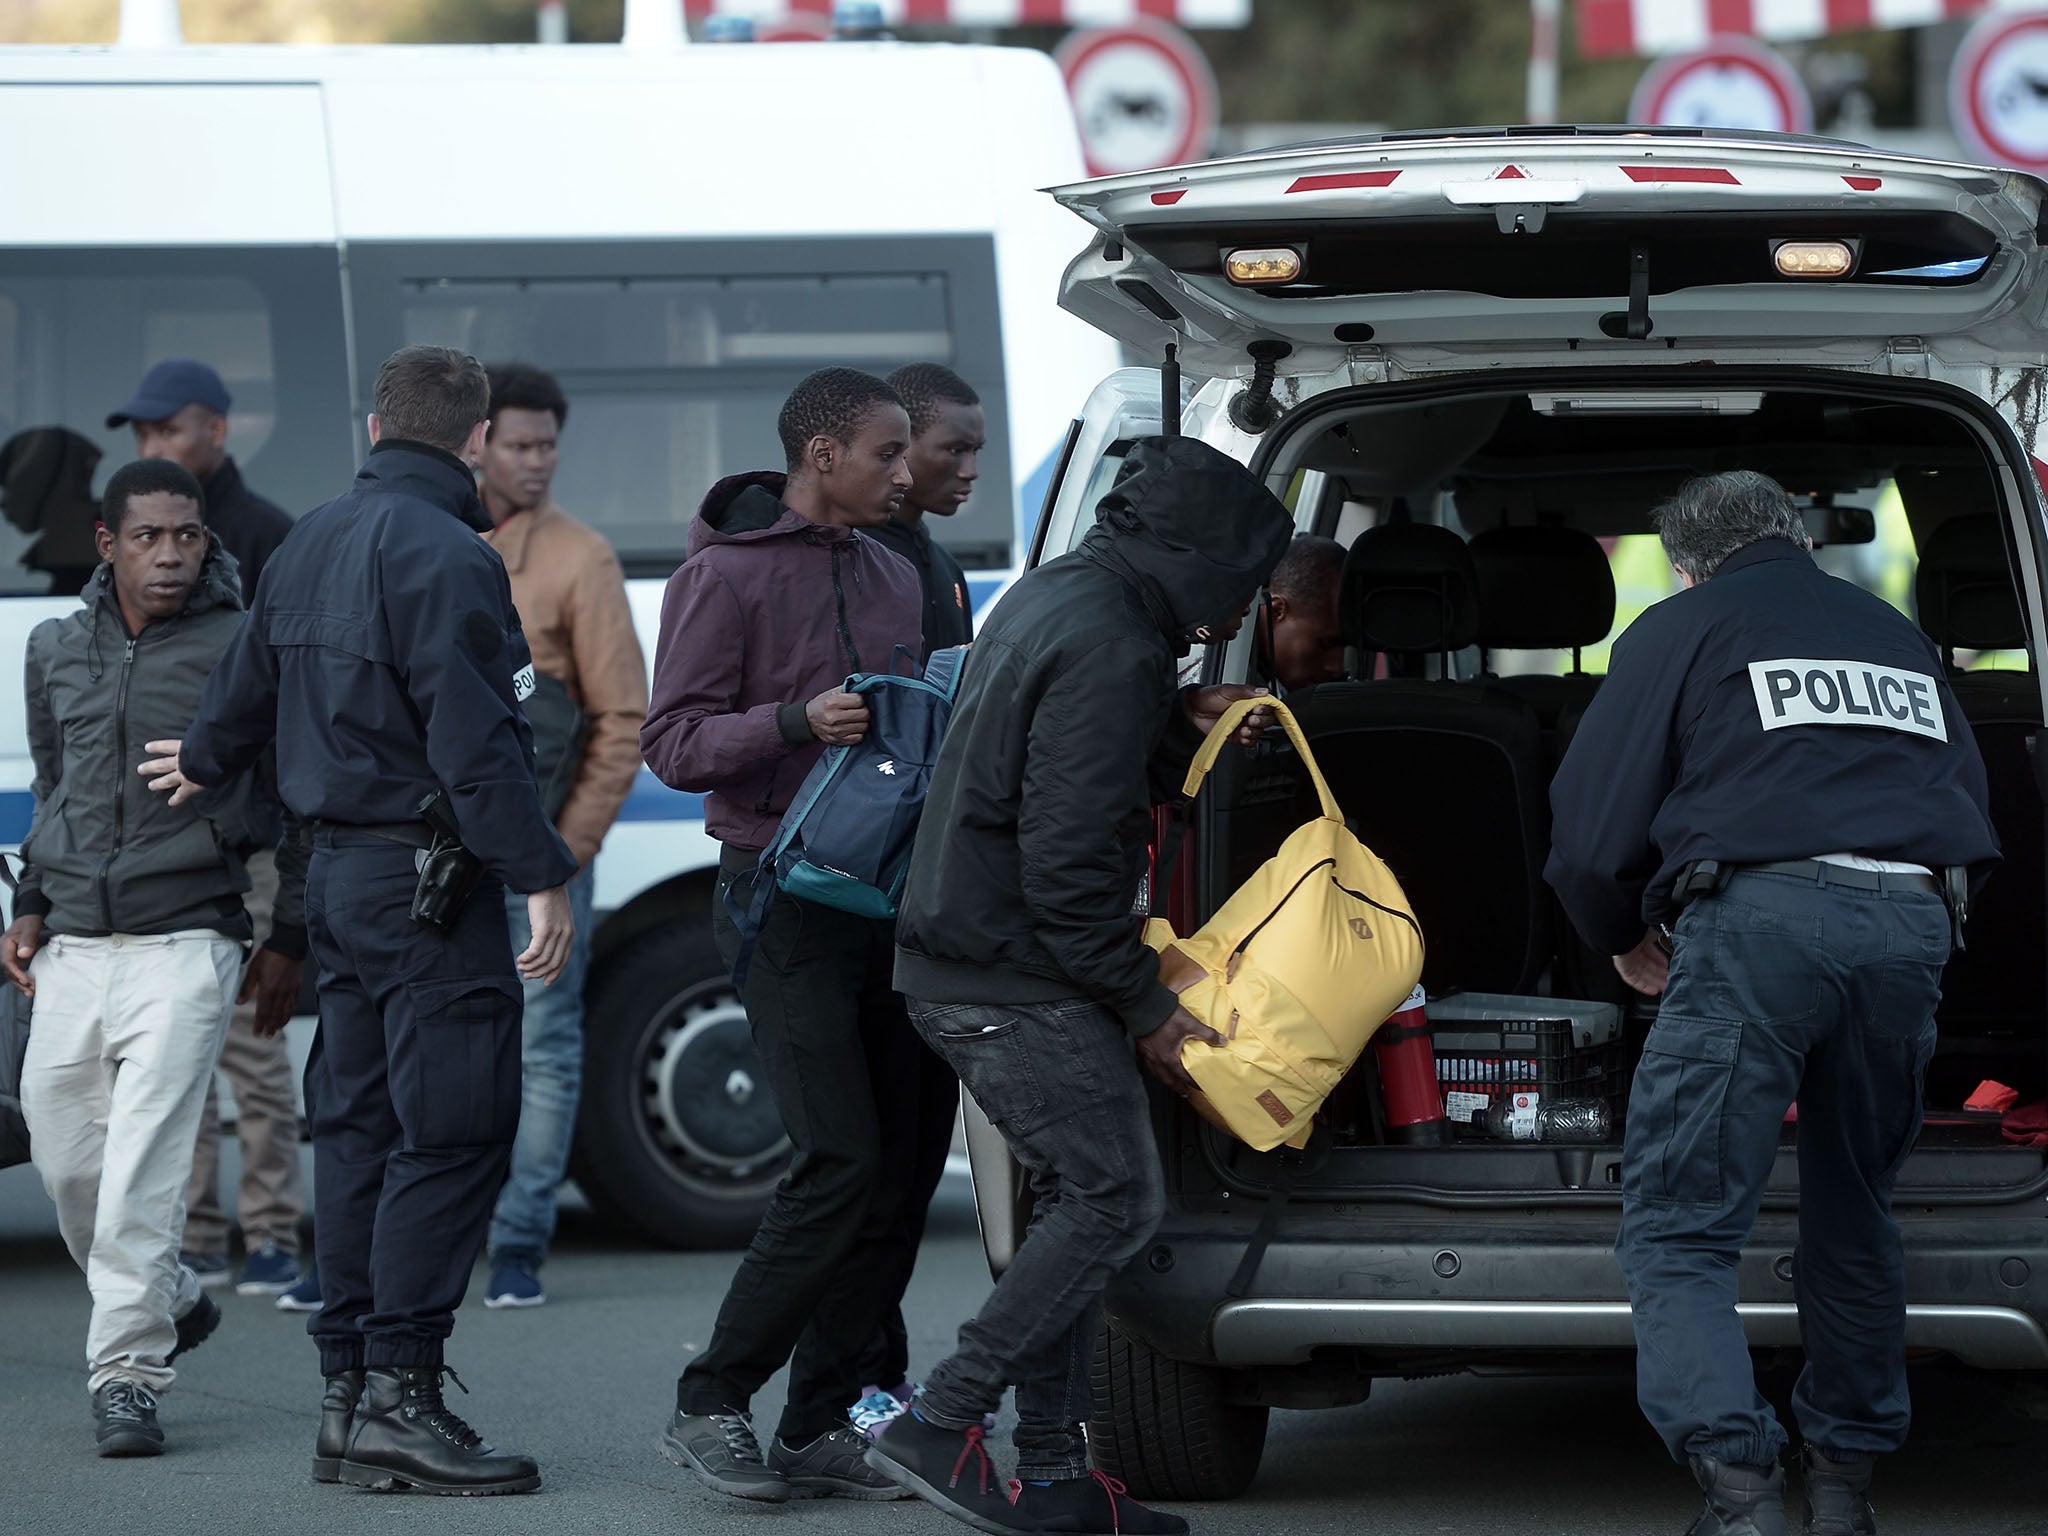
pixel 676 1135
pixel 1166 1429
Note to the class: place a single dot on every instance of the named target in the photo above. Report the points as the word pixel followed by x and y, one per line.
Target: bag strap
pixel 1220 734
pixel 1293 1162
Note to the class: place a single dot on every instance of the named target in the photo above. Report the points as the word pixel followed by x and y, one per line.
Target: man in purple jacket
pixel 780 601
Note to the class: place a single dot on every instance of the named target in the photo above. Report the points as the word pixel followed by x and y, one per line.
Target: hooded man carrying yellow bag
pixel 1020 948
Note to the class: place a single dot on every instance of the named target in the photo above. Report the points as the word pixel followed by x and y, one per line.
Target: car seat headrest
pixel 1964 588
pixel 1542 589
pixel 1409 588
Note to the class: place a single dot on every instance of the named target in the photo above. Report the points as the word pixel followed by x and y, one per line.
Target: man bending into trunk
pixel 1020 951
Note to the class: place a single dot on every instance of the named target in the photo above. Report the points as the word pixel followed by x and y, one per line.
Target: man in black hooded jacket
pixel 1020 949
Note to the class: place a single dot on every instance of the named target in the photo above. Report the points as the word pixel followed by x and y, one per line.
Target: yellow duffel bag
pixel 1295 971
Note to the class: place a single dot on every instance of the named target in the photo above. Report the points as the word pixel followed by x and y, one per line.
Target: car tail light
pixel 1814 258
pixel 1258 266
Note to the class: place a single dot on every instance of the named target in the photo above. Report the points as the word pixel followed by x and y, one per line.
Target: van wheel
pixel 677 1135
pixel 1166 1429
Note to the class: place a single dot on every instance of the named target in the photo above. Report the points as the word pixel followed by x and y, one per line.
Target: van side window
pixel 676 359
pixel 78 328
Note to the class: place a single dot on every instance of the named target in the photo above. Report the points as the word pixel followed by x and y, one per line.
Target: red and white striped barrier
pixel 992 13
pixel 1613 28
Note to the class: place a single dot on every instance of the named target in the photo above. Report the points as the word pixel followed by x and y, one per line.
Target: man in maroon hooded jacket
pixel 780 601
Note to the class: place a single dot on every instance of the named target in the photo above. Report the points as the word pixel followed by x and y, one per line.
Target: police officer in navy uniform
pixel 1776 780
pixel 384 656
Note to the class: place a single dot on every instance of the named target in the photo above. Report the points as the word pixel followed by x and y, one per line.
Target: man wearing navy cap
pixel 180 413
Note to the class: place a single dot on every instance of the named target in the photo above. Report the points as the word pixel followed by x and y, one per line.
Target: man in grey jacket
pixel 129 931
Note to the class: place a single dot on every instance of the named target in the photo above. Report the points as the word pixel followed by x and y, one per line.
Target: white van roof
pixel 401 143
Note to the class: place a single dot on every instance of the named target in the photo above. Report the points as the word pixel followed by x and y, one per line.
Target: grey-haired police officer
pixel 1776 774
pixel 383 654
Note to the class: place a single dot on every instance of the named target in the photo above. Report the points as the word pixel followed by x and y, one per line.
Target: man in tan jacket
pixel 586 713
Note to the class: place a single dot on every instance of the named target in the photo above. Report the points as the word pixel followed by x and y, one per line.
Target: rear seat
pixel 1966 599
pixel 1444 780
pixel 1544 589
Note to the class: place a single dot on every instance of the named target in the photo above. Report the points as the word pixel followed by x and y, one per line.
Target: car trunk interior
pixel 1441 757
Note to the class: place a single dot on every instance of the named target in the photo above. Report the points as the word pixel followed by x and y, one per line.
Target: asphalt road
pixel 586 1382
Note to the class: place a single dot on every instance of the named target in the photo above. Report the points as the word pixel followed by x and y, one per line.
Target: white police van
pixel 680 234
pixel 1504 348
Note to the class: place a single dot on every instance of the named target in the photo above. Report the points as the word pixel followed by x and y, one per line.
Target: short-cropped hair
pixel 147 477
pixel 1712 516
pixel 431 395
pixel 829 403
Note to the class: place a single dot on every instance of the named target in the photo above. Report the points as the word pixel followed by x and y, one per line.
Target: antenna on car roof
pixel 1169 393
pixel 150 24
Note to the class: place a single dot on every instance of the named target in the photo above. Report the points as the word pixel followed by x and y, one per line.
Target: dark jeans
pixel 1780 989
pixel 814 1287
pixel 412 1095
pixel 914 1150
pixel 1059 1080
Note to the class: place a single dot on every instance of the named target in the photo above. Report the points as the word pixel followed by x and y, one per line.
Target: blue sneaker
pixel 211 1269
pixel 269 1271
pixel 515 1280
pixel 303 1297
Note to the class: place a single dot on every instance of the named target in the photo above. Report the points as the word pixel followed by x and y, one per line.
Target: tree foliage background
pixel 1401 63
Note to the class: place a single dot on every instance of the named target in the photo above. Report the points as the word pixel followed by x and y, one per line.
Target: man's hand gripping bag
pixel 1296 970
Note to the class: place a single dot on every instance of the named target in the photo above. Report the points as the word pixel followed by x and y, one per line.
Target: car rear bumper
pixel 1409 1292
pixel 1245 1333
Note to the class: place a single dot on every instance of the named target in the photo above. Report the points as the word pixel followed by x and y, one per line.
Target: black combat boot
pixel 1837 1495
pixel 1741 1501
pixel 405 1438
pixel 337 1414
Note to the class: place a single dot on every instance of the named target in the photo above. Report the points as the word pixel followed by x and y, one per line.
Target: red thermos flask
pixel 1407 1062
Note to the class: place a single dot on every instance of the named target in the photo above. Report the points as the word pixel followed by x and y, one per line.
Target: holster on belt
pixel 449 872
pixel 1702 877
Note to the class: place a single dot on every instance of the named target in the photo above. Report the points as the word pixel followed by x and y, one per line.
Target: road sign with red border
pixel 1730 83
pixel 1144 96
pixel 1998 90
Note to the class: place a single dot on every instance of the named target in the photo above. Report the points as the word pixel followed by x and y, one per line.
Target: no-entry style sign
pixel 1730 83
pixel 1998 90
pixel 1144 96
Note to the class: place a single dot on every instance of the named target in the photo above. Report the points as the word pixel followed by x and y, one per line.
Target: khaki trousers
pixel 271 1196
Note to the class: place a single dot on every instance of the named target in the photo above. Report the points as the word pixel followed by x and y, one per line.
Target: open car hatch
pixel 1434 248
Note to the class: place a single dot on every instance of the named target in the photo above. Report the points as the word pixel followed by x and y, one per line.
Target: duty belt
pixel 413 834
pixel 1707 877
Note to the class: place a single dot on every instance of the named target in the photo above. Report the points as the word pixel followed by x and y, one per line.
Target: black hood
pixel 1192 529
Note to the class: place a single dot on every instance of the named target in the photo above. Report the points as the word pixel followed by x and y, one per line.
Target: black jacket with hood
pixel 106 854
pixel 1031 852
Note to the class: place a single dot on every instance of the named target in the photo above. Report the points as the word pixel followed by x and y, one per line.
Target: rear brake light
pixel 1814 258
pixel 1259 266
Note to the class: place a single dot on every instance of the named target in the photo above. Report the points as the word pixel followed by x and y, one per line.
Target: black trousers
pixel 412 1094
pixel 815 1285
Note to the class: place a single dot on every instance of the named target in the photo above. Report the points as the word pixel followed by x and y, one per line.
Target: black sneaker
pixel 124 1414
pixel 1741 1501
pixel 195 1327
pixel 1097 1505
pixel 948 1468
pixel 1837 1495
pixel 833 1466
pixel 720 1451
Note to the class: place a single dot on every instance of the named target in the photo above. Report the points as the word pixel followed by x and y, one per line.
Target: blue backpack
pixel 845 840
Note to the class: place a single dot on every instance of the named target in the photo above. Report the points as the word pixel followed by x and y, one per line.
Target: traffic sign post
pixel 1730 83
pixel 1998 90
pixel 1144 96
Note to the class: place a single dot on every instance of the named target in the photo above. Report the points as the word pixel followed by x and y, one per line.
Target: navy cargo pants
pixel 1781 989
pixel 412 1094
